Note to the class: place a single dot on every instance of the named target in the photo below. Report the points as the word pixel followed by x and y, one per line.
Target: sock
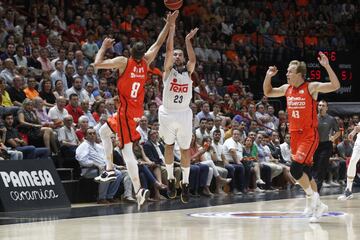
pixel 105 135
pixel 170 171
pixel 309 191
pixel 131 165
pixel 349 183
pixel 185 174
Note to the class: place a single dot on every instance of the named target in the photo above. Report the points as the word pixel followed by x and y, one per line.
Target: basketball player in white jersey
pixel 351 171
pixel 175 115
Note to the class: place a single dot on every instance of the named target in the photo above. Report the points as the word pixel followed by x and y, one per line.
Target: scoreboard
pixel 346 68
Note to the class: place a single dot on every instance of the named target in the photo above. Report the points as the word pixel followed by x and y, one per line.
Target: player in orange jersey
pixel 301 106
pixel 130 85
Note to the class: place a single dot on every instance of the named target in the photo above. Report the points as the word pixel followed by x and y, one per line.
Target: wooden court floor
pixel 277 219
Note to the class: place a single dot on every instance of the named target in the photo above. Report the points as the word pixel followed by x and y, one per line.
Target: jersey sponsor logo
pixel 178 88
pixel 261 214
pixel 296 102
pixel 301 91
pixel 137 72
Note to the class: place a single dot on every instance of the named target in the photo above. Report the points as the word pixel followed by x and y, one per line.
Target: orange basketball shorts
pixel 303 145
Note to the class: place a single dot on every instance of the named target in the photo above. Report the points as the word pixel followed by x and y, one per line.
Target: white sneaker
pixel 259 190
pixel 260 182
pixel 106 176
pixel 320 209
pixel 325 184
pixel 346 195
pixel 141 196
pixel 334 184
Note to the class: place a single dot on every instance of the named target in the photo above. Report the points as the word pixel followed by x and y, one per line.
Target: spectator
pixel 59 90
pixel 30 125
pixel 99 109
pixel 47 94
pixel 91 157
pixel 85 108
pixel 68 139
pixel 73 107
pixel 8 73
pixel 16 92
pixel 59 74
pixel 30 91
pixel 41 113
pixel 15 141
pixel 58 112
pixel 83 127
pixel 78 90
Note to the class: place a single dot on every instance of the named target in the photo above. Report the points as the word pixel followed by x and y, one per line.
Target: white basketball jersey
pixel 177 91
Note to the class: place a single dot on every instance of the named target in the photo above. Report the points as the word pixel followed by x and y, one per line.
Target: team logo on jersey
pixel 301 91
pixel 261 214
pixel 178 88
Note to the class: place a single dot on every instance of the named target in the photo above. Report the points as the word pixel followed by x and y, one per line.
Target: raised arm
pixel 169 56
pixel 101 63
pixel 151 53
pixel 190 51
pixel 326 87
pixel 269 91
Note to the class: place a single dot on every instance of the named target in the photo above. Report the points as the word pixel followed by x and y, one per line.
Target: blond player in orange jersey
pixel 301 107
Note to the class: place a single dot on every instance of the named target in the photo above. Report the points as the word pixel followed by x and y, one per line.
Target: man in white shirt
pixel 217 126
pixel 285 150
pixel 91 157
pixel 20 59
pixel 58 112
pixel 233 153
pixel 201 131
pixel 59 74
pixel 143 129
pixel 68 139
pixel 78 89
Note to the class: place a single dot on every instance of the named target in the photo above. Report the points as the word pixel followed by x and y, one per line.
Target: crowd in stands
pixel 53 101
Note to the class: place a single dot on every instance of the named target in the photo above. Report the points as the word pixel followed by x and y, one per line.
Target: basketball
pixel 173 4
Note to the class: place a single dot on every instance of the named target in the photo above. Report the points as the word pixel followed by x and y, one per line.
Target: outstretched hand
pixel 191 34
pixel 272 71
pixel 323 59
pixel 171 17
pixel 108 43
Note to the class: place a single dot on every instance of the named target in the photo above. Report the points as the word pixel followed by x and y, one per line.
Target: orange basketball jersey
pixel 301 107
pixel 131 89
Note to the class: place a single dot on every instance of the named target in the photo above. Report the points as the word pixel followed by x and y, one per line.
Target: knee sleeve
pixel 296 170
pixel 307 170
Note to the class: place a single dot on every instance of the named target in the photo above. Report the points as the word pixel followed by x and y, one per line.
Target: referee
pixel 327 126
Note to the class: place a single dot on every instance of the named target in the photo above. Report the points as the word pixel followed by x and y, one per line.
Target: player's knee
pixel 296 170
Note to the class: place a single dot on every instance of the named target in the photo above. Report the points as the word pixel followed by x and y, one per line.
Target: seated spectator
pixel 152 113
pixel 78 90
pixel 73 107
pixel 205 111
pixel 90 77
pixel 99 109
pixel 85 105
pixel 15 141
pixel 44 60
pixel 59 74
pixel 47 94
pixel 102 121
pixel 233 153
pixel 30 91
pixel 30 125
pixel 41 113
pixel 208 158
pixel 16 92
pixel 59 90
pixel 58 112
pixel 91 157
pixel 103 91
pixel 201 132
pixel 5 152
pixel 205 173
pixel 67 138
pixel 110 106
pixel 8 72
pixel 6 106
pixel 89 88
pixel 83 127
pixel 283 131
pixel 146 175
pixel 285 150
pixel 143 129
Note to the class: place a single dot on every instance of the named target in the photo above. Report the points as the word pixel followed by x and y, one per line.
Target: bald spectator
pixel 58 112
pixel 16 92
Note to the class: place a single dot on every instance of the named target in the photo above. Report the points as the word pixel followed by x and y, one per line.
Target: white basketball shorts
pixel 176 125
